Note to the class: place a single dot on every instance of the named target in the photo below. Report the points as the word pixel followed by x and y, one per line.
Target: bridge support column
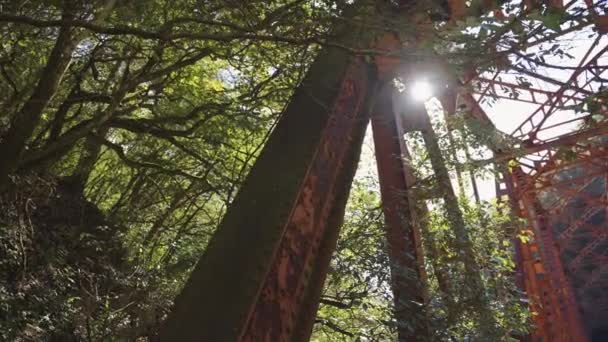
pixel 545 280
pixel 402 231
pixel 261 275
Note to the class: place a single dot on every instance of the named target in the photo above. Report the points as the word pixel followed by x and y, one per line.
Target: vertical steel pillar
pixel 402 229
pixel 557 315
pixel 530 273
pixel 261 275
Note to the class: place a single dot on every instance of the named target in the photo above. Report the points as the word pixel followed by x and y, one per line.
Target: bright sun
pixel 421 90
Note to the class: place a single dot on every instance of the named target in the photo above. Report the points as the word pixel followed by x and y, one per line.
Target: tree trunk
pixel 25 121
pixel 87 160
pixel 464 246
pixel 440 268
pixel 444 184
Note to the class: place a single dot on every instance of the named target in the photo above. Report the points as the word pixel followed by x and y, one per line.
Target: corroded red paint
pixel 551 295
pixel 555 268
pixel 402 227
pixel 279 303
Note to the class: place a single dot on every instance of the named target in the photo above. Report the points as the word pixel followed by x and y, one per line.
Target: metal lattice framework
pixel 556 180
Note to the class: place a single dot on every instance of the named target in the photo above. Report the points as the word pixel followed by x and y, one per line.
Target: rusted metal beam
pixel 575 263
pixel 572 139
pixel 278 308
pixel 568 233
pixel 535 94
pixel 540 115
pixel 313 292
pixel 543 303
pixel 595 276
pixel 544 275
pixel 260 277
pixel 601 21
pixel 571 327
pixel 540 269
pixel 402 228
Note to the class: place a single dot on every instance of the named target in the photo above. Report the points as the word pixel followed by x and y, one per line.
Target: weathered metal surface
pixel 533 274
pixel 310 300
pixel 402 227
pixel 278 306
pixel 550 163
pixel 549 286
pixel 600 20
pixel 254 280
pixel 561 319
pixel 540 270
pixel 557 156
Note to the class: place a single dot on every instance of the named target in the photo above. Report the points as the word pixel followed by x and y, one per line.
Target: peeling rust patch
pixel 280 301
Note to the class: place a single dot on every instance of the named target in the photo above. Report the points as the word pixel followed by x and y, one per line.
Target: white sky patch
pixel 367 168
pixel 510 116
pixel 229 76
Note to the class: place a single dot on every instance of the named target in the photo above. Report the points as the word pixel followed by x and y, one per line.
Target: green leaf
pixel 553 20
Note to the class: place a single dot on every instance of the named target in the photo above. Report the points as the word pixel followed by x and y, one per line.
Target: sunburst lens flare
pixel 421 90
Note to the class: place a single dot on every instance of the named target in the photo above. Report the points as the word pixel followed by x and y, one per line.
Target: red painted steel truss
pixel 557 167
